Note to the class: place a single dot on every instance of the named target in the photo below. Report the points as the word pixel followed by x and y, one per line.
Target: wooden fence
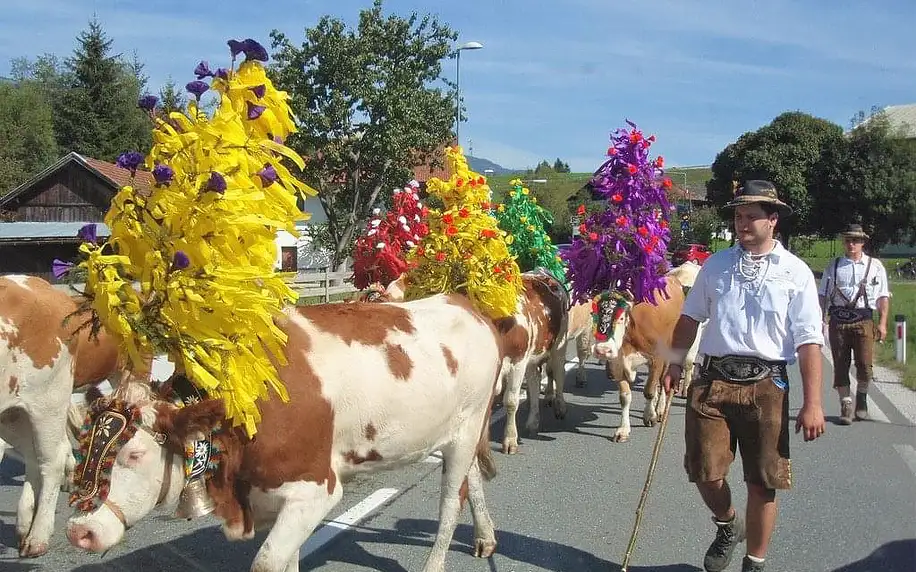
pixel 306 284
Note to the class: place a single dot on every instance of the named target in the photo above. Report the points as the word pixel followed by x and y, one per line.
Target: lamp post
pixel 465 46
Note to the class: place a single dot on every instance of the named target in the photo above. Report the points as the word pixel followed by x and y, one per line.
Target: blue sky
pixel 555 82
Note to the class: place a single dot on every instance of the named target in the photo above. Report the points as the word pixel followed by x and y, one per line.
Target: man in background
pixel 852 287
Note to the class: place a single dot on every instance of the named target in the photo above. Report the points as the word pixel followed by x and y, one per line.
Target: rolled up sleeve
pixel 696 306
pixel 805 320
pixel 882 286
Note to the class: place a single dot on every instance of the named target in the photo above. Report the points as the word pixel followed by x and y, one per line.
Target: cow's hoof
pixel 560 413
pixel 484 548
pixel 620 437
pixel 31 549
pixel 548 401
pixel 650 422
pixel 510 448
pixel 532 430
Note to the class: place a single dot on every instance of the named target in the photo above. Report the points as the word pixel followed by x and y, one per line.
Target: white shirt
pixel 769 317
pixel 848 275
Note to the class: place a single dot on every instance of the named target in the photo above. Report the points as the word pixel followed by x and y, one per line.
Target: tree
pixel 368 108
pixel 171 98
pixel 869 177
pixel 560 167
pixel 787 152
pixel 27 133
pixel 98 114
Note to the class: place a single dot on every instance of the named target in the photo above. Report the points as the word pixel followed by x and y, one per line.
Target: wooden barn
pixel 48 210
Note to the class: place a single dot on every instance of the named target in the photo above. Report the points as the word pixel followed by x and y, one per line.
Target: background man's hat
pixel 854 231
pixel 756 191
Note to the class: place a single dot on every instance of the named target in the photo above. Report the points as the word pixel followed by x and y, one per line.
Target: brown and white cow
pixel 534 337
pixel 371 387
pixel 41 363
pixel 641 334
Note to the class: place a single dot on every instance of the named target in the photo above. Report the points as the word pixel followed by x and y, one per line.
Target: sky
pixel 555 79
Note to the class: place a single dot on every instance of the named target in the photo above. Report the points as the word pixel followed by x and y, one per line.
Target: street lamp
pixel 465 46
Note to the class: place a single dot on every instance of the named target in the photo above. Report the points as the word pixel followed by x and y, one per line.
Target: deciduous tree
pixel 369 108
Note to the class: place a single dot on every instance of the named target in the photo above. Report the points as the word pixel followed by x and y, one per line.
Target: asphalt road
pixel 566 503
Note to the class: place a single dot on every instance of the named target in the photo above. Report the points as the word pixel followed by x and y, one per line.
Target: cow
pixel 371 387
pixel 41 363
pixel 641 334
pixel 534 336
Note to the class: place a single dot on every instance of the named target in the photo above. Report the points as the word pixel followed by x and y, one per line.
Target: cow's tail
pixel 485 453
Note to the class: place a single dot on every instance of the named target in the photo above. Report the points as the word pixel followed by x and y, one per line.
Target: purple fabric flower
pixel 254 111
pixel 148 102
pixel 88 233
pixel 203 70
pixel 130 160
pixel 623 248
pixel 180 261
pixel 268 175
pixel 259 90
pixel 216 183
pixel 59 268
pixel 222 73
pixel 163 174
pixel 197 87
pixel 252 49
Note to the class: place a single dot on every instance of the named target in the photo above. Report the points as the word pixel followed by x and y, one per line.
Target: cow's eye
pixel 135 456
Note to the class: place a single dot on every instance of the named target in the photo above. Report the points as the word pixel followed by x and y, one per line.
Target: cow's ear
pixel 193 421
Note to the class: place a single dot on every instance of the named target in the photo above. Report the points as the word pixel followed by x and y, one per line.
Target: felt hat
pixel 854 231
pixel 757 191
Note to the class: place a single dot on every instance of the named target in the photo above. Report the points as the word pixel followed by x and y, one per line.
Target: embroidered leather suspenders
pixel 849 314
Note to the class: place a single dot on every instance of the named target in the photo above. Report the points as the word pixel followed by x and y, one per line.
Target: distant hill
pixel 479 165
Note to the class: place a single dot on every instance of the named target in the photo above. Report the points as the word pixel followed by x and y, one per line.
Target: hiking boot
pixel 748 565
pixel 846 411
pixel 728 535
pixel 861 406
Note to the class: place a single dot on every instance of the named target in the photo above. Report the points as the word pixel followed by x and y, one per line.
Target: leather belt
pixel 844 315
pixel 742 369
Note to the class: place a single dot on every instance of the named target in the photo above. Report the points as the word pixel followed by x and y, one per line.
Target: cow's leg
pixel 652 393
pixel 688 376
pixel 44 477
pixel 304 505
pixel 625 379
pixel 550 391
pixel 456 462
pixel 558 365
pixel 515 376
pixel 484 531
pixel 533 385
pixel 583 349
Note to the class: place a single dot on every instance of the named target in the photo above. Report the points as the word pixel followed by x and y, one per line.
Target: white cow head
pixel 128 467
pixel 611 311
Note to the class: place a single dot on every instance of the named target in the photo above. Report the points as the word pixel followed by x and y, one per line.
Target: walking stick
pixel 645 489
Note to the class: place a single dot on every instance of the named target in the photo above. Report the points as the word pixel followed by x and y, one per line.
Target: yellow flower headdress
pixel 465 251
pixel 201 243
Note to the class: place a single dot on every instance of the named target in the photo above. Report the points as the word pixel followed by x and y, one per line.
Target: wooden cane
pixel 645 489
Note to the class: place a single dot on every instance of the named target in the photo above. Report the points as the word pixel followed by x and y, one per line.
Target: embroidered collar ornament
pixel 200 243
pixel 607 308
pixel 108 426
pixel 623 247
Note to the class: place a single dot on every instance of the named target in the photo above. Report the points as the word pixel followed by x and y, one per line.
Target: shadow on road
pixel 897 556
pixel 211 549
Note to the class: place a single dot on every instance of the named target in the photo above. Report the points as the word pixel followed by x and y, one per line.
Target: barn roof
pixel 110 173
pixel 22 232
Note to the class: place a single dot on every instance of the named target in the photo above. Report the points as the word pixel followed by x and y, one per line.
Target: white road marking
pixel 908 452
pixel 346 521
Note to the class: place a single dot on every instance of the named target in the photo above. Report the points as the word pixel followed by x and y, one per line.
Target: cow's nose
pixel 81 536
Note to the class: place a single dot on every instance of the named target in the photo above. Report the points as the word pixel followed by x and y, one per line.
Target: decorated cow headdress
pixel 199 245
pixel 622 248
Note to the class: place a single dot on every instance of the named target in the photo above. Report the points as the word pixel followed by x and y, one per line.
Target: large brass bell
pixel 194 501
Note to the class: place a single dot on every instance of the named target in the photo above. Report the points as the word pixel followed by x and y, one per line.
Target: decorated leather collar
pixel 606 310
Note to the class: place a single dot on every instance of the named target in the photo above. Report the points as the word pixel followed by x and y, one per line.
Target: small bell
pixel 194 501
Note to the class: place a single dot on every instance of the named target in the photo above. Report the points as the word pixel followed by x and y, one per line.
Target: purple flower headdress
pixel 623 247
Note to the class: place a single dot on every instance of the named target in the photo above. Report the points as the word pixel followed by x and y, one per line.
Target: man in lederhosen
pixel 761 309
pixel 852 288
